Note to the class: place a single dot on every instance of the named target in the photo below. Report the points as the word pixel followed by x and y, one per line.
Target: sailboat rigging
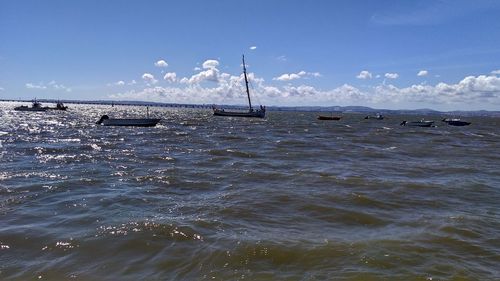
pixel 257 113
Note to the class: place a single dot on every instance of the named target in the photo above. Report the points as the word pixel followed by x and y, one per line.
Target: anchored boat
pixel 133 122
pixel 378 116
pixel 59 106
pixel 455 122
pixel 256 113
pixel 421 123
pixel 326 117
pixel 35 106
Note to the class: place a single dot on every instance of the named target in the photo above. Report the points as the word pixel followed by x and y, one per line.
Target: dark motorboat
pixel 329 117
pixel 378 116
pixel 133 122
pixel 257 113
pixel 36 106
pixel 59 106
pixel 421 123
pixel 455 122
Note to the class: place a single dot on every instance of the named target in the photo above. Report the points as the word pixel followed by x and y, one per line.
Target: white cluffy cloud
pixel 2 89
pixel 365 74
pixel 293 76
pixel 39 86
pixel 423 73
pixel 119 83
pixel 149 78
pixel 287 77
pixel 210 73
pixel 51 85
pixel 496 72
pixel 170 77
pixel 210 64
pixel 253 47
pixel 391 75
pixel 282 58
pixel 161 63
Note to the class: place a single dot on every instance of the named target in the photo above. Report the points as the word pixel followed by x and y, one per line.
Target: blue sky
pixel 387 54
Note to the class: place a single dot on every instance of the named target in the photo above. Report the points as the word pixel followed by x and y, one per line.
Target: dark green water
pixel 212 198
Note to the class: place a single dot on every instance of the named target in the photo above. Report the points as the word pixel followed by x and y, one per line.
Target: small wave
pixel 390 148
pixel 151 228
pixel 70 140
pixel 472 134
pixel 95 147
pixel 231 152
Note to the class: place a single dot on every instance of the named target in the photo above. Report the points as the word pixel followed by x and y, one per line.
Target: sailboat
pixel 257 113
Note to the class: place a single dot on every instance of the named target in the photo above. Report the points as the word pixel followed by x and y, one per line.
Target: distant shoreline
pixel 344 109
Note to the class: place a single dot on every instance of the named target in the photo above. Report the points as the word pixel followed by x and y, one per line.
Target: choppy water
pixel 212 198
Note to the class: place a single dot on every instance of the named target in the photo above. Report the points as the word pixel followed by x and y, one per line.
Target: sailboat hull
pixel 254 114
pixel 131 122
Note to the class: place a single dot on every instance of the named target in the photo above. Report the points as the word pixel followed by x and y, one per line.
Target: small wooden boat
pixel 421 123
pixel 331 117
pixel 36 106
pixel 257 113
pixel 455 122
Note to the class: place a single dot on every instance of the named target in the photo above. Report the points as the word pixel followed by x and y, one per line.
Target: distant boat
pixel 35 106
pixel 455 122
pixel 421 123
pixel 257 113
pixel 329 117
pixel 59 106
pixel 378 116
pixel 133 122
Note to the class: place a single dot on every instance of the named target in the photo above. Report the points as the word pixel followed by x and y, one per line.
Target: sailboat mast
pixel 246 83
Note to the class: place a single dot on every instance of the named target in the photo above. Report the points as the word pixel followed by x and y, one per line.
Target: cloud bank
pixel 471 92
